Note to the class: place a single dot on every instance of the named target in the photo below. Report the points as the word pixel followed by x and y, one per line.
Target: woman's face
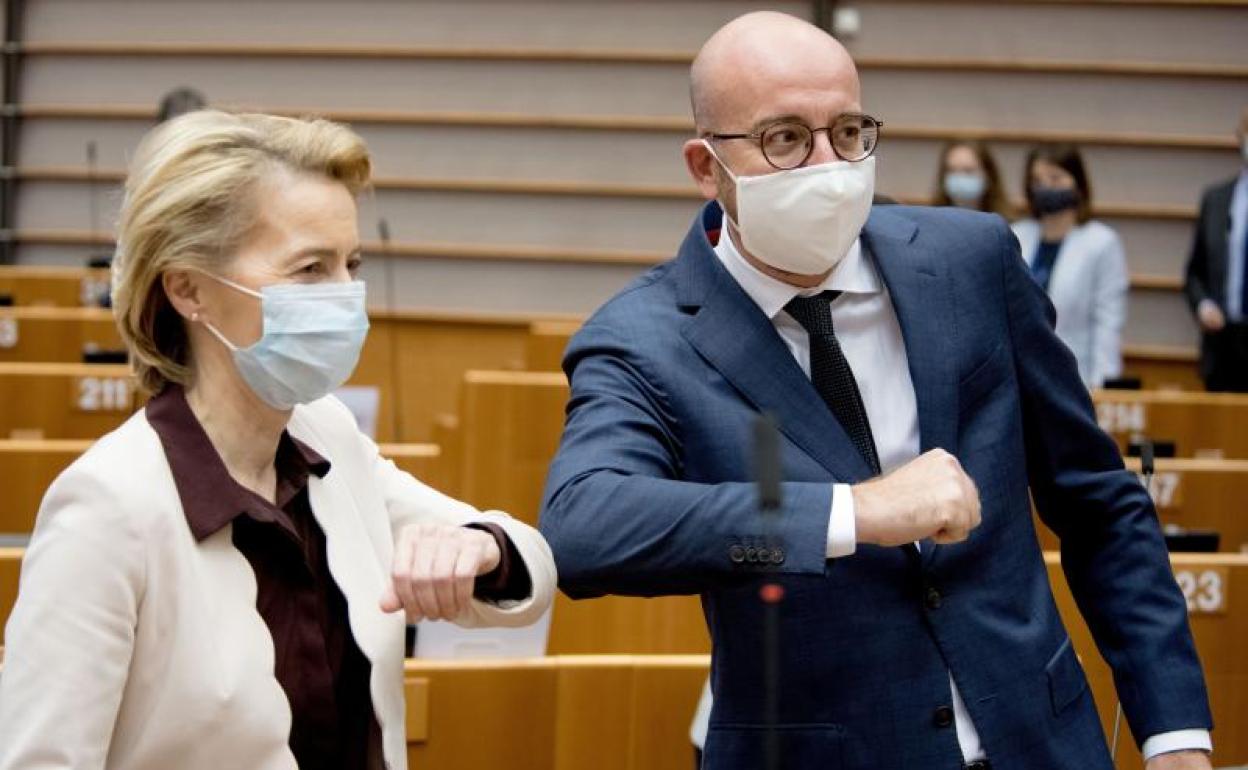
pixel 1046 174
pixel 962 160
pixel 307 232
pixel 964 180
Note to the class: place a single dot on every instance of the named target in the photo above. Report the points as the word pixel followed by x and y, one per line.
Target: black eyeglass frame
pixel 757 138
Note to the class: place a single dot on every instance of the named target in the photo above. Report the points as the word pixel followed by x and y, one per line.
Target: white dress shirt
pixel 1236 259
pixel 870 337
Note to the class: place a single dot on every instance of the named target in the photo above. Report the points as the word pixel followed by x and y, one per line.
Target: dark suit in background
pixel 1223 354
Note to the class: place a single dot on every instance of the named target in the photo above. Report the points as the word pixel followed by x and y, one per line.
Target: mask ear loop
pixel 237 287
pixel 731 176
pixel 719 160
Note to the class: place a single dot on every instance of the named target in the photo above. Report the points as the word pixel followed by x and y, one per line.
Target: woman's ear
pixel 182 289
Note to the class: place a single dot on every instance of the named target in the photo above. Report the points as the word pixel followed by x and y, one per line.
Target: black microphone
pixel 767 474
pixel 92 172
pixel 1146 460
pixel 383 234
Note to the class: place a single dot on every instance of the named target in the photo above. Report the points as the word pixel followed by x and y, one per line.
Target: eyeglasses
pixel 789 144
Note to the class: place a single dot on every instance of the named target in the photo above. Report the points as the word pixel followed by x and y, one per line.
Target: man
pixel 1217 278
pixel 914 636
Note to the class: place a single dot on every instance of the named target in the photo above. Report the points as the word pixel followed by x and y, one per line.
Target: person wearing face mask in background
pixel 1078 261
pixel 968 177
pixel 1217 277
pixel 910 364
pixel 223 581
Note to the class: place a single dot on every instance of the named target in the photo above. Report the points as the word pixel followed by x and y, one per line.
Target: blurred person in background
pixel 178 102
pixel 1217 277
pixel 968 177
pixel 222 581
pixel 1077 260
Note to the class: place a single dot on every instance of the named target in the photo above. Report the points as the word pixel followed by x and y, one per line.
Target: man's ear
pixel 702 167
pixel 182 289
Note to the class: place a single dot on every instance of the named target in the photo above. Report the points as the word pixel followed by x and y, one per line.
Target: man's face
pixel 793 91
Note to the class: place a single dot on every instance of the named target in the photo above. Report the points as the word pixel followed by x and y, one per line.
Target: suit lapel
pixel 734 336
pixel 922 296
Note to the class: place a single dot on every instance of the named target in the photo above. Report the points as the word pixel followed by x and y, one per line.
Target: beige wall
pixel 1125 178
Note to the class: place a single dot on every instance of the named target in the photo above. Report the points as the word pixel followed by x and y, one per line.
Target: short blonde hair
pixel 190 200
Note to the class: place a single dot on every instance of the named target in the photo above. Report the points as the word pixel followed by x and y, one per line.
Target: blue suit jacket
pixel 650 493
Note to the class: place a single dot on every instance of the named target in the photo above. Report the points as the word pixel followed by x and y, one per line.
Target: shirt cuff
pixel 1177 740
pixel 842 534
pixel 510 579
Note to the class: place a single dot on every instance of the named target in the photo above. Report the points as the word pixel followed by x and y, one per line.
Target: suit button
pixel 751 555
pixel 932 599
pixel 736 554
pixel 777 555
pixel 942 717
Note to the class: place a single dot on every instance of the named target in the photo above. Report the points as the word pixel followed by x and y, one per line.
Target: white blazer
pixel 1089 288
pixel 133 646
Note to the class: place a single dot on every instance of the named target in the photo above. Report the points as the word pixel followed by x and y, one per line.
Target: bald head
pixel 753 56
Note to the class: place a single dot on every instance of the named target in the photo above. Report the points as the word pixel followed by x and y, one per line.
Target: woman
pixel 1079 261
pixel 217 583
pixel 969 178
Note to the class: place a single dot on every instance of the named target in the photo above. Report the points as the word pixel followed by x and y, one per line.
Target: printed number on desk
pixel 8 333
pixel 1204 589
pixel 104 394
pixel 1121 417
pixel 1165 489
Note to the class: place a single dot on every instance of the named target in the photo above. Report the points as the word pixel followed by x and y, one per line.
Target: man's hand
pixel 930 496
pixel 435 568
pixel 1210 316
pixel 1180 760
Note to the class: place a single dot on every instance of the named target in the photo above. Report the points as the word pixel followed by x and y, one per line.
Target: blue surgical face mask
pixel 313 334
pixel 964 188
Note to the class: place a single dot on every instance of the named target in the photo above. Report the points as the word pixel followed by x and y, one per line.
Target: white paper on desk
pixel 441 639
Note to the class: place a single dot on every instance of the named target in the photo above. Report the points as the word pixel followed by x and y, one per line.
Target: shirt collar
pixel 211 498
pixel 854 275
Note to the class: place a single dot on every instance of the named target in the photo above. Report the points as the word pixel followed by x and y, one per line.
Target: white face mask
pixel 313 334
pixel 805 220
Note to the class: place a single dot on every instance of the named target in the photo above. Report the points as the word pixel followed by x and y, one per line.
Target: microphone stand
pixel 1146 469
pixel 770 497
pixel 392 305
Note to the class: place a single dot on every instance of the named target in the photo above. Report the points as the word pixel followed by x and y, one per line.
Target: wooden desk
pixel 55 334
pixel 1195 494
pixel 1198 423
pixel 77 401
pixel 510 424
pixel 62 286
pixel 546 342
pixel 1210 581
pixel 608 712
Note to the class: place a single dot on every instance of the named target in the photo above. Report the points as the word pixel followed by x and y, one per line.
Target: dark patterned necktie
pixel 830 372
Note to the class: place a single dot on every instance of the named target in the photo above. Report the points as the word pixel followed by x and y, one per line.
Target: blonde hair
pixel 190 200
